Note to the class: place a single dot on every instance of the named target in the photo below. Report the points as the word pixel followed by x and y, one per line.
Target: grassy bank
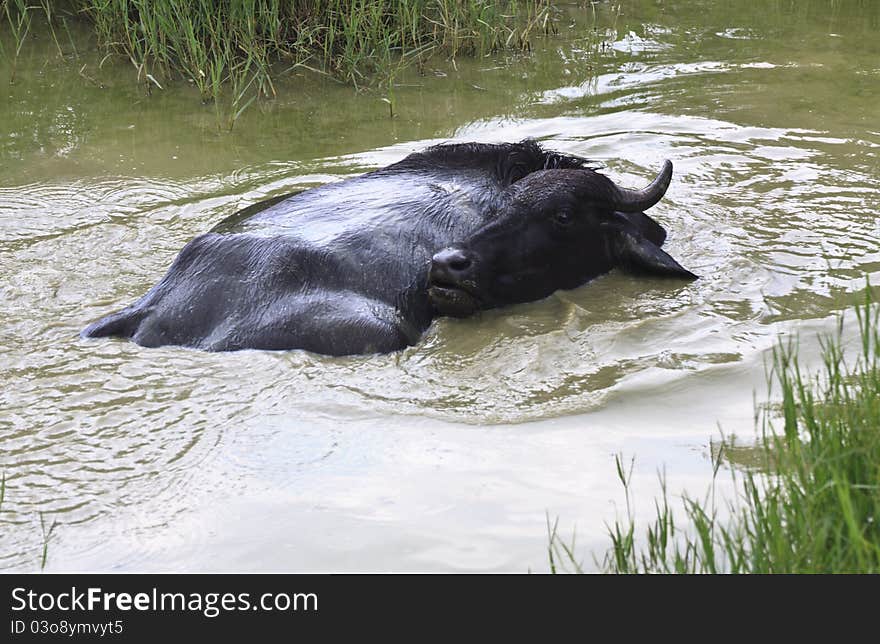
pixel 233 50
pixel 812 502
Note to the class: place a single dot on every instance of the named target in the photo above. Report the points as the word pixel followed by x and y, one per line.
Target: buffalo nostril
pixel 459 263
pixel 452 260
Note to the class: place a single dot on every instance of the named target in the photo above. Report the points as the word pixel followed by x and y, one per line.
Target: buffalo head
pixel 555 229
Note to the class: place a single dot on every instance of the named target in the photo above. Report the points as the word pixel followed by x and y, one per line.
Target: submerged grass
pixel 813 503
pixel 232 50
pixel 46 533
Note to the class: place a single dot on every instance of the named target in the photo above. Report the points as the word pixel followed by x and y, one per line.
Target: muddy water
pixel 451 454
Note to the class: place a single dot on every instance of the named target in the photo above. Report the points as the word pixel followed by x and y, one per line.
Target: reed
pixel 232 50
pixel 812 504
pixel 18 17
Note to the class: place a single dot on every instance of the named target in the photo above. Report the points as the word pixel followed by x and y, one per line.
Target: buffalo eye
pixel 563 219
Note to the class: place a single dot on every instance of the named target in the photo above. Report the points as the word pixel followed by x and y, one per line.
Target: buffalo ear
pixel 640 255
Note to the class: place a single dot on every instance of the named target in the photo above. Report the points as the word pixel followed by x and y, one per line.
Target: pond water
pixel 450 455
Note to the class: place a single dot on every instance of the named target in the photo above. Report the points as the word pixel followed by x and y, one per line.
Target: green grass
pixel 46 537
pixel 810 501
pixel 233 51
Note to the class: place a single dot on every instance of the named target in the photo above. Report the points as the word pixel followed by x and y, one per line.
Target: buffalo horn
pixel 640 200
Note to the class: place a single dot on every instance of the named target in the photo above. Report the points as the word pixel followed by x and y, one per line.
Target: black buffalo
pixel 365 264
